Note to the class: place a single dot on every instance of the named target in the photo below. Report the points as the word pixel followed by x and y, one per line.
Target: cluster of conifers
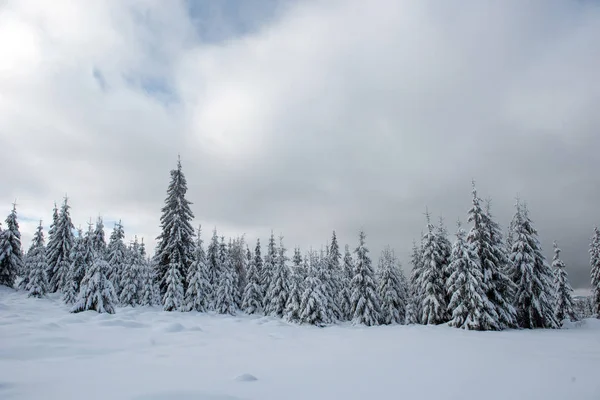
pixel 479 282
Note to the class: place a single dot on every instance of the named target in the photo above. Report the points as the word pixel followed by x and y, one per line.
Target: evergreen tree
pixel 500 288
pixel 416 292
pixel 96 292
pixel 76 271
pixel 213 260
pixel 116 253
pixel 563 308
pixel 365 302
pixel 37 265
pixel 131 279
pixel 534 297
pixel 176 240
pixel 227 285
pixel 88 245
pixel 345 278
pixel 198 293
pixel 98 238
pixel 279 288
pixel 445 251
pixel 260 271
pixel 150 295
pixel 52 249
pixel 334 258
pixel 294 300
pixel 240 266
pixel 313 307
pixel 60 254
pixel 267 270
pixel 595 273
pixel 173 282
pixel 469 305
pixel 11 255
pixel 252 299
pixel 390 290
pixel 431 280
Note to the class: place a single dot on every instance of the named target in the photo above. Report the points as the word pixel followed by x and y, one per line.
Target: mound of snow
pixel 246 378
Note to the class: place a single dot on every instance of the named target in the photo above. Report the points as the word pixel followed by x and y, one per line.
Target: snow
pixel 144 353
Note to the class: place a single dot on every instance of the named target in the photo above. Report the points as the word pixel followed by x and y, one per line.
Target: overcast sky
pixel 305 116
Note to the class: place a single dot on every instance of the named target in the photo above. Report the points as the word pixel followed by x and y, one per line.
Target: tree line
pixel 481 280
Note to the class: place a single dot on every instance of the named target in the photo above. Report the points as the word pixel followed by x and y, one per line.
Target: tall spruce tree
pixel 485 238
pixel 225 302
pixel 268 269
pixel 115 256
pixel 334 258
pixel 199 291
pixel 212 258
pixel 431 280
pixel 294 301
pixel 313 306
pixel 345 294
pixel 51 253
pixel 59 256
pixel 252 298
pixel 11 255
pixel 366 309
pixel 174 292
pixel 76 271
pixel 534 299
pixel 469 305
pixel 279 289
pixel 240 266
pixel 445 250
pixel 390 289
pixel 37 265
pixel 175 247
pixel 96 290
pixel 131 278
pixel 98 238
pixel 595 271
pixel 563 308
pixel 416 291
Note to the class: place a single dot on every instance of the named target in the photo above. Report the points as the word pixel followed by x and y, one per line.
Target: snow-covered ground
pixel 146 354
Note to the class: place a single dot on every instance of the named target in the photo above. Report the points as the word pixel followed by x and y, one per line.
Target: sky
pixel 303 117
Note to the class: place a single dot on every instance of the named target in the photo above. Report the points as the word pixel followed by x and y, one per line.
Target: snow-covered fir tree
pixel 294 300
pixel 212 258
pixel 53 241
pixel 563 308
pixel 240 266
pixel 595 271
pixel 99 239
pixel 77 270
pixel 469 305
pixel 344 294
pixel 431 280
pixel 252 296
pixel 131 279
pixel 37 265
pixel 445 250
pixel 174 292
pixel 11 255
pixel 501 289
pixel 268 269
pixel 59 256
pixel 225 302
pixel 365 303
pixel 176 240
pixel 313 307
pixel 390 289
pixel 413 311
pixel 115 256
pixel 534 299
pixel 334 258
pixel 279 288
pixel 96 291
pixel 199 291
pixel 150 295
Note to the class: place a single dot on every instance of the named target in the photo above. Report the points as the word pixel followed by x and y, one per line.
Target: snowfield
pixel 147 354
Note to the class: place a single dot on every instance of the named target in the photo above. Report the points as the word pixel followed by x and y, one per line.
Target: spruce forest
pixel 478 278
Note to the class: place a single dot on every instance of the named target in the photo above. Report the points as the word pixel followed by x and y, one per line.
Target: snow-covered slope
pixel 147 354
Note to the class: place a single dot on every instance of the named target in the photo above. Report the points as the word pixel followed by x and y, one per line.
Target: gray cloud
pixel 326 115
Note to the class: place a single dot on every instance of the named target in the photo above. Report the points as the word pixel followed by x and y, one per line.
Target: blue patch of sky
pixel 217 21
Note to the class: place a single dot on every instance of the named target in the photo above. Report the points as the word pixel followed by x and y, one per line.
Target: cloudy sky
pixel 304 116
